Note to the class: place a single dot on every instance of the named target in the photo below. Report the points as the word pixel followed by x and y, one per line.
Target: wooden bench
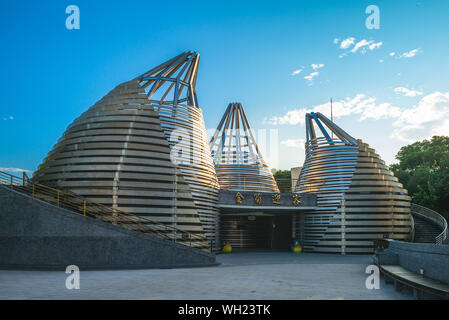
pixel 420 285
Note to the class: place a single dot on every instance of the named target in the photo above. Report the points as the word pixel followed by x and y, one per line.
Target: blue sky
pixel 249 53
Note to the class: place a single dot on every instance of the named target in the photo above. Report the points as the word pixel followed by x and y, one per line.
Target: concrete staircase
pixel 425 229
pixel 36 234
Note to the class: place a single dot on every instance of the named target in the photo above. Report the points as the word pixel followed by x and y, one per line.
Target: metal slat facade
pixel 120 151
pixel 358 197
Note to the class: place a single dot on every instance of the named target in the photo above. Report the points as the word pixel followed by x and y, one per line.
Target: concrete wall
pixel 36 234
pixel 295 172
pixel 433 258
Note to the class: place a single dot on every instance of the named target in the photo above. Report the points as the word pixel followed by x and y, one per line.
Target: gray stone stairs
pixel 36 234
pixel 425 229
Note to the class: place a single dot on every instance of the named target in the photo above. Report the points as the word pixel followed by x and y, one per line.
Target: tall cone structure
pixel 238 161
pixel 143 149
pixel 359 199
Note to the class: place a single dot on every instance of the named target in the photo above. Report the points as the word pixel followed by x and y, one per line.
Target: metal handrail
pixel 435 217
pixel 79 204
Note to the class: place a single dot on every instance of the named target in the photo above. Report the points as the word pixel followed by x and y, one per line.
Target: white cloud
pixel 294 73
pixel 271 121
pixel 410 54
pixel 294 143
pixel 376 45
pixel 360 104
pixel 7 118
pixel 336 40
pixel 381 60
pixel 392 54
pixel 365 43
pixel 317 66
pixel 407 92
pixel 14 169
pixel 428 118
pixel 380 111
pixel 346 43
pixel 311 76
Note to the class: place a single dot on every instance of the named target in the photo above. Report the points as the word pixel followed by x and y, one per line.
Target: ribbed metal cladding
pixel 121 151
pixel 238 162
pixel 171 89
pixel 359 199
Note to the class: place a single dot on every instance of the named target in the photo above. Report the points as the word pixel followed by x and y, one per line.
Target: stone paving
pixel 256 275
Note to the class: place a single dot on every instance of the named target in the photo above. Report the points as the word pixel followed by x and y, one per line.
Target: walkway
pixel 261 275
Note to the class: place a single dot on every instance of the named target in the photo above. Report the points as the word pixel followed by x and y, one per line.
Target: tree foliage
pixel 284 180
pixel 423 169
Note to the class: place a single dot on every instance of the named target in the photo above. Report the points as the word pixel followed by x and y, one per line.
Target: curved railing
pixel 74 202
pixel 412 230
pixel 435 217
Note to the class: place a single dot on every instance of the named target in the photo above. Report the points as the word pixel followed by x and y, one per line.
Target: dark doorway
pixel 282 233
pixel 247 231
pixel 257 231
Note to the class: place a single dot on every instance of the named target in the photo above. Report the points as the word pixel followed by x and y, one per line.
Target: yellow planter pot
pixel 227 248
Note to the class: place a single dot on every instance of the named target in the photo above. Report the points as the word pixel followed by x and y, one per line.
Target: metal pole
pixel 84 207
pixel 332 118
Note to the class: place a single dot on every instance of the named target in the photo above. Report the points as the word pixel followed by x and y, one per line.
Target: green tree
pixel 423 169
pixel 284 180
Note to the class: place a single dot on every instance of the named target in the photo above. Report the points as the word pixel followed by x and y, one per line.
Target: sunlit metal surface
pixel 171 89
pixel 375 204
pixel 120 151
pixel 238 161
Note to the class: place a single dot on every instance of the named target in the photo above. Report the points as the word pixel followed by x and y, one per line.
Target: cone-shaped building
pixel 143 149
pixel 238 161
pixel 359 199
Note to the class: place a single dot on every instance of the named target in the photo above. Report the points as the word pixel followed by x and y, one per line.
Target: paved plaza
pixel 255 275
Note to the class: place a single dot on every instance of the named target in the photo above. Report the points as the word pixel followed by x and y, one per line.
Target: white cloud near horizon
pixel 316 66
pixel 294 143
pixel 360 104
pixel 14 169
pixel 429 117
pixel 408 92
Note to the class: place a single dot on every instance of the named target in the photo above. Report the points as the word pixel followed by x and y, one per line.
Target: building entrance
pixel 257 231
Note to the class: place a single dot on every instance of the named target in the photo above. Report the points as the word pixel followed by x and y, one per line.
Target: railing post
pixel 57 197
pixel 343 225
pixel 190 239
pixel 84 207
pixel 32 193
